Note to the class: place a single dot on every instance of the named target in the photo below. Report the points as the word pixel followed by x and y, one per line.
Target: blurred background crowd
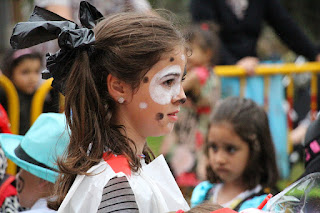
pixel 246 33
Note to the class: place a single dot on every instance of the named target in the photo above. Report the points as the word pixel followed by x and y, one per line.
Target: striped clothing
pixel 117 197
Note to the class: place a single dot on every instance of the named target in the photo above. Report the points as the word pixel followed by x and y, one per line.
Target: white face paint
pixel 143 105
pixel 183 57
pixel 165 85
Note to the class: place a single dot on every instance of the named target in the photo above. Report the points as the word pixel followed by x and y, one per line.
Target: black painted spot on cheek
pixel 159 116
pixel 145 80
pixel 171 59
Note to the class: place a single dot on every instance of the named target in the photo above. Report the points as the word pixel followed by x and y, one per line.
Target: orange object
pixel 264 202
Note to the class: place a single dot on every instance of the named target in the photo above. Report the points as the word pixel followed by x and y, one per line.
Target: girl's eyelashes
pixel 169 83
pixel 231 149
pixel 184 74
pixel 213 147
pixel 24 72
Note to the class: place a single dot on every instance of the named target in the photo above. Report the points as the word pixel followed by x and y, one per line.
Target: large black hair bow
pixel 44 25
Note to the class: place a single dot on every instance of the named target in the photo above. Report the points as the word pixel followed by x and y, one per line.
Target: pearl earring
pixel 121 100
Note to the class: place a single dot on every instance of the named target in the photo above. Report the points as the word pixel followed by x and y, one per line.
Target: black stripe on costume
pixel 117 196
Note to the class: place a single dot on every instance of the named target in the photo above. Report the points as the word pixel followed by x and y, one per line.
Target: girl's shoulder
pixel 254 198
pixel 86 191
pixel 253 202
pixel 199 194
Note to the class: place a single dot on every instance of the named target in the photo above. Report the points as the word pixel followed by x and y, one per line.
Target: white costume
pixel 154 188
pixel 40 207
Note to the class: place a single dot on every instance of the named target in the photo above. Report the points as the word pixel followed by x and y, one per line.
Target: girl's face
pixel 199 57
pixel 228 153
pixel 27 188
pixel 26 75
pixel 154 106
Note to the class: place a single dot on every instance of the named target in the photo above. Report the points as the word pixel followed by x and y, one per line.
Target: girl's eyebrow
pixel 173 73
pixel 210 142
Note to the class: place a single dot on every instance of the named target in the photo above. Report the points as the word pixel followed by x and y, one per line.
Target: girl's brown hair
pixel 206 207
pixel 127 46
pixel 250 123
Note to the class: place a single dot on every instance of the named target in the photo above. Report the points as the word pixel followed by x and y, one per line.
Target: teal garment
pixel 199 193
pixel 253 203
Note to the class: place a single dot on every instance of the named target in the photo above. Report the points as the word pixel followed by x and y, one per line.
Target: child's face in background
pixel 154 107
pixel 228 153
pixel 27 188
pixel 199 57
pixel 26 75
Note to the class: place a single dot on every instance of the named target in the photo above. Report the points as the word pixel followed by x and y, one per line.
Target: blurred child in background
pixel 36 153
pixel 241 156
pixel 183 146
pixel 8 193
pixel 23 68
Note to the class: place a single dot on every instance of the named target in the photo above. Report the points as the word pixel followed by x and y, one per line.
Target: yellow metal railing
pixel 13 103
pixel 39 99
pixel 266 70
pixel 13 113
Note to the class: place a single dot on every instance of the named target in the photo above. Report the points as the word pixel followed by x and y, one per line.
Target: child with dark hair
pixel 35 154
pixel 183 147
pixel 23 68
pixel 122 79
pixel 241 156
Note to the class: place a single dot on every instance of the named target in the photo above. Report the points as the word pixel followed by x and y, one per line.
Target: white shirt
pixel 40 206
pixel 154 188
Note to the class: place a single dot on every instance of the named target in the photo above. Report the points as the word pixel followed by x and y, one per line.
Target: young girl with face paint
pixel 202 90
pixel 121 88
pixel 241 157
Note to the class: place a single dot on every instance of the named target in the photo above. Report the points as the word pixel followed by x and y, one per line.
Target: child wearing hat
pixel 36 154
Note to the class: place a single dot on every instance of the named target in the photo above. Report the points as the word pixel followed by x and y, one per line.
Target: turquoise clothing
pixel 200 192
pixel 253 202
pixel 250 198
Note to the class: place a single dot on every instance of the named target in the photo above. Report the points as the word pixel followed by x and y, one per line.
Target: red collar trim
pixel 119 163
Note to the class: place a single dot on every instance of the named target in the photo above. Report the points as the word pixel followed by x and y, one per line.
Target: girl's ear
pixel 118 89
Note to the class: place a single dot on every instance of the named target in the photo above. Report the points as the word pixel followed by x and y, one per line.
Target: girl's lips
pixel 222 170
pixel 173 116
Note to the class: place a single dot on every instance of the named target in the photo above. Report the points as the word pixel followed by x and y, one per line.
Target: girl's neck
pixel 130 132
pixel 138 141
pixel 239 186
pixel 229 191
